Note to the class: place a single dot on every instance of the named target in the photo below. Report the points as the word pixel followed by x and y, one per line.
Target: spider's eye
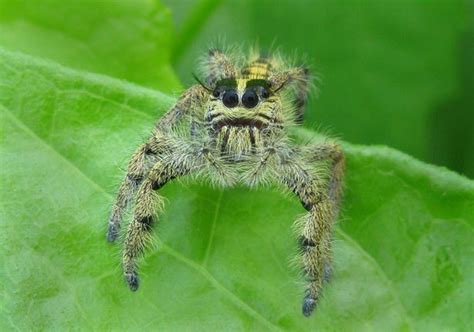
pixel 230 98
pixel 265 93
pixel 250 99
pixel 216 93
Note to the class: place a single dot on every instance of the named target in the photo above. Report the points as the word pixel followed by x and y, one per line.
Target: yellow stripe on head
pixel 259 69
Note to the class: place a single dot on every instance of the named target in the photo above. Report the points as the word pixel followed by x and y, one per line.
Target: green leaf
pixel 387 68
pixel 402 250
pixel 127 39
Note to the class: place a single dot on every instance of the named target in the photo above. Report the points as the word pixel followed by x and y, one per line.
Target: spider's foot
pixel 309 303
pixel 112 232
pixel 132 281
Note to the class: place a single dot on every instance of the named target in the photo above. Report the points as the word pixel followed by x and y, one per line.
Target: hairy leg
pixel 264 167
pixel 332 153
pixel 321 200
pixel 219 66
pixel 148 204
pixel 139 164
pixel 138 168
pixel 299 78
pixel 301 95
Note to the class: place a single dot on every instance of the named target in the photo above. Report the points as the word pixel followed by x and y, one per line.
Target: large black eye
pixel 230 98
pixel 250 99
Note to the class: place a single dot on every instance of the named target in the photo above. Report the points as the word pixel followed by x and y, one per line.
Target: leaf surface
pixel 402 248
pixel 127 39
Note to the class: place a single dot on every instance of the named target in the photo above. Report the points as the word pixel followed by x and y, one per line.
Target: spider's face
pixel 245 103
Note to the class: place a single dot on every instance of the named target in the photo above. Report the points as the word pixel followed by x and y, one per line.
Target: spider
pixel 233 128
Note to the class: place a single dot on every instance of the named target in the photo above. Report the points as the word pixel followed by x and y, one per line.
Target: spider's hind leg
pixel 299 78
pixel 332 153
pixel 219 66
pixel 322 201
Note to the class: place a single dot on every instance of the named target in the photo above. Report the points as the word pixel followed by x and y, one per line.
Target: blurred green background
pixel 397 73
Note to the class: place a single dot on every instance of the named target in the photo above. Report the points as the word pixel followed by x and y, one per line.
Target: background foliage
pixel 399 73
pixel 393 73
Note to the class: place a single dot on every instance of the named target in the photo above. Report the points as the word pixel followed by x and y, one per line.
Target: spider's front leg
pixel 321 199
pixel 148 205
pixel 141 161
pixel 138 168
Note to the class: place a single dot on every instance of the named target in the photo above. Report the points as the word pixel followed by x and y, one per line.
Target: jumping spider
pixel 233 128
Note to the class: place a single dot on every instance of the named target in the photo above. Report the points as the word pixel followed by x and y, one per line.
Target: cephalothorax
pixel 233 128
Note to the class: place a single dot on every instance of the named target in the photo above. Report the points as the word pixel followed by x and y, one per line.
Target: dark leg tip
pixel 132 281
pixel 112 233
pixel 309 304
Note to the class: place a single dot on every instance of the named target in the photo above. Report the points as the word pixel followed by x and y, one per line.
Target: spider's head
pixel 243 102
pixel 251 94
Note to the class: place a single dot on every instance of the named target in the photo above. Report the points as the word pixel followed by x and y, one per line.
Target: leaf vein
pixel 217 285
pixel 234 298
pixel 213 228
